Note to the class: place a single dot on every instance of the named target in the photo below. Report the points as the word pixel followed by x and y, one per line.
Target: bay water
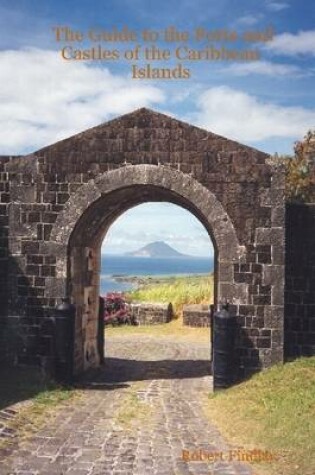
pixel 114 265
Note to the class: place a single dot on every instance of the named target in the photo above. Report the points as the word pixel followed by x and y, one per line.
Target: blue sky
pixel 267 104
pixel 163 222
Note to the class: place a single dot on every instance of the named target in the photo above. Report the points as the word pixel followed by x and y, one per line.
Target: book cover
pixel 143 144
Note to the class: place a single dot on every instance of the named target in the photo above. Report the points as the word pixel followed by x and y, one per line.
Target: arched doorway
pixel 159 241
pixel 80 229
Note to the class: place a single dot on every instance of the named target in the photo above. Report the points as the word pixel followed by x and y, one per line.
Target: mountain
pixel 156 249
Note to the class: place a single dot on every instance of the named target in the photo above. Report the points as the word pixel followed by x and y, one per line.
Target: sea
pixel 145 266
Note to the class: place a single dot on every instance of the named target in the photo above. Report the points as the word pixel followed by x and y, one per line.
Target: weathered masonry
pixel 300 281
pixel 58 203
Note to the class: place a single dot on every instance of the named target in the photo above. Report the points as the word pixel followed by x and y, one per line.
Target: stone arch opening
pixel 81 227
pixel 135 247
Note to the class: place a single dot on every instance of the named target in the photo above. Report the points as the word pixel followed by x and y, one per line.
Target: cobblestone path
pixel 135 417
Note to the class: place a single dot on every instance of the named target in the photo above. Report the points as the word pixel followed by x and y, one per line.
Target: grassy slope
pixel 179 291
pixel 26 382
pixel 20 384
pixel 274 410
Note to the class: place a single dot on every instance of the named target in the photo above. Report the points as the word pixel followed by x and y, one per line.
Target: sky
pixel 268 103
pixel 174 225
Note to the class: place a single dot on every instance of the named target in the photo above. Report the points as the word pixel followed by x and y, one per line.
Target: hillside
pixel 157 249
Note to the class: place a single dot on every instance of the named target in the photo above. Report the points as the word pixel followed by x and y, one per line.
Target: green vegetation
pixel 177 290
pixel 299 170
pixel 133 410
pixel 20 383
pixel 42 396
pixel 172 329
pixel 275 411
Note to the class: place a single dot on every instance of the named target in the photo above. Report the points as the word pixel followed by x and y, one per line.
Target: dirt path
pixel 136 417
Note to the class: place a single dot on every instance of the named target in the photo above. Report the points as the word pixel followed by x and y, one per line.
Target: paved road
pixel 136 417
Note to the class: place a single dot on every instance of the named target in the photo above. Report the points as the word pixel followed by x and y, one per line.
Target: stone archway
pixel 81 226
pixel 61 200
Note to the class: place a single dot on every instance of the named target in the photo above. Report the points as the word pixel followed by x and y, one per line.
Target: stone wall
pixel 197 315
pixel 150 313
pixel 4 254
pixel 300 280
pixel 64 197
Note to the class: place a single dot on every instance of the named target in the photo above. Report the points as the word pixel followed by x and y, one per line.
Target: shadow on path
pixel 116 371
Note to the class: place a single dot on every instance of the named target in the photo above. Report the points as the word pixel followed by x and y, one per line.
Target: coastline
pixel 144 280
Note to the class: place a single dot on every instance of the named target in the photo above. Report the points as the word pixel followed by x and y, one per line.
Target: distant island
pixel 157 249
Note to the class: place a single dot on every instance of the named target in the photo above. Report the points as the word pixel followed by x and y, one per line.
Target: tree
pixel 300 170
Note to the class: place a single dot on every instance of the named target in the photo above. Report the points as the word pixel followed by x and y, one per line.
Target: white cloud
pixel 44 98
pixel 276 6
pixel 194 247
pixel 290 44
pixel 243 117
pixel 251 19
pixel 116 243
pixel 142 224
pixel 248 20
pixel 264 68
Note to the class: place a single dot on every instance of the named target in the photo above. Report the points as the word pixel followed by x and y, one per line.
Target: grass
pixel 177 290
pixel 132 410
pixel 275 411
pixel 175 328
pixel 43 396
pixel 24 382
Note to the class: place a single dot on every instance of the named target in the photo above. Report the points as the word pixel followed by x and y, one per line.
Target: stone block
pixel 197 315
pixel 263 236
pixel 150 313
pixel 277 294
pixel 272 274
